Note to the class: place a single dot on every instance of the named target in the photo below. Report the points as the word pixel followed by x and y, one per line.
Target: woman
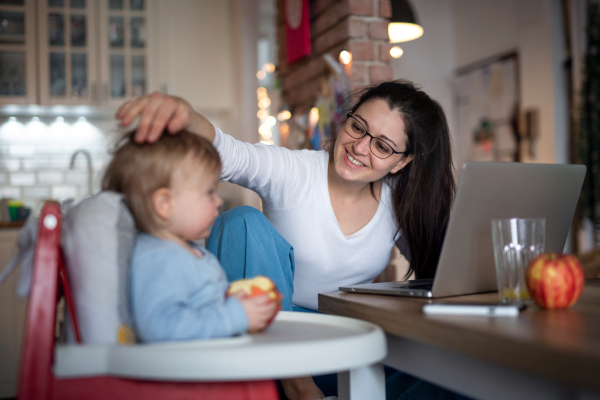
pixel 387 178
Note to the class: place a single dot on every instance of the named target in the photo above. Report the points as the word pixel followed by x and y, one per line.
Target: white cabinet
pixel 75 52
pixel 104 52
pixel 67 52
pixel 93 52
pixel 125 51
pixel 18 79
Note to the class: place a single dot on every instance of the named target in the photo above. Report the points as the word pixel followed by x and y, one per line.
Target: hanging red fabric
pixel 297 28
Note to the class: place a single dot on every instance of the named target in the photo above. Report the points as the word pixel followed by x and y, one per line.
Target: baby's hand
pixel 259 310
pixel 240 295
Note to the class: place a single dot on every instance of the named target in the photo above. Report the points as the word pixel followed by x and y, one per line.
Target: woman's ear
pixel 402 163
pixel 162 202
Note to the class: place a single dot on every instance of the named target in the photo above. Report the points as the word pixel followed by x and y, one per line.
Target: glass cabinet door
pixel 17 52
pixel 67 56
pixel 124 49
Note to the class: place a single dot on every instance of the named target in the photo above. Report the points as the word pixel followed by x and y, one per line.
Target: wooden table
pixel 540 354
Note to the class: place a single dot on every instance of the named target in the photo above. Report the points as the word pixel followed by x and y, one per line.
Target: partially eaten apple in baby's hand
pixel 255 287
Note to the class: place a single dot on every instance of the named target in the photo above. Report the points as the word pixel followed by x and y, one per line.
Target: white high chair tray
pixel 296 344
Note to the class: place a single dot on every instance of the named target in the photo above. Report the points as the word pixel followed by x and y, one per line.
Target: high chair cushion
pixel 98 238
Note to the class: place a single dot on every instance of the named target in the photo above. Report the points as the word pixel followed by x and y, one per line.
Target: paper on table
pixel 483 310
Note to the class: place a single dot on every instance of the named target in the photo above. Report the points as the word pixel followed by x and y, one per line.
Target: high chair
pixel 241 368
pixel 38 381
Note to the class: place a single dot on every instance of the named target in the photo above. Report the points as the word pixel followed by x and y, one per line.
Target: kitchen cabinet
pixel 67 52
pixel 75 52
pixel 12 317
pixel 125 51
pixel 93 52
pixel 18 78
pixel 103 52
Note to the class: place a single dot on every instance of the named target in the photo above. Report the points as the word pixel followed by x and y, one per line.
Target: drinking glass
pixel 516 242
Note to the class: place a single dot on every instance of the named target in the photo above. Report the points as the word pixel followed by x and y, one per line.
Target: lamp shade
pixel 403 24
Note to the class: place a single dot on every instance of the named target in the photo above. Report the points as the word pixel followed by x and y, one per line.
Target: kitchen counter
pixel 12 224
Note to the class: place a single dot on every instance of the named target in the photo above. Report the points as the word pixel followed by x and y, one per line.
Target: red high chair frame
pixel 37 380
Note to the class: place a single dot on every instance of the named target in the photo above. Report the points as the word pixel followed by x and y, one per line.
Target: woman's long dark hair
pixel 423 190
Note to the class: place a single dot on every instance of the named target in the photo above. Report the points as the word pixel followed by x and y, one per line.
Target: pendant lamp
pixel 403 24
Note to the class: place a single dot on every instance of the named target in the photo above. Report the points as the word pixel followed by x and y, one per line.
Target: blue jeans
pixel 247 245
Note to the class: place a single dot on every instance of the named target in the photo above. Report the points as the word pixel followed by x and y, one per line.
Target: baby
pixel 177 288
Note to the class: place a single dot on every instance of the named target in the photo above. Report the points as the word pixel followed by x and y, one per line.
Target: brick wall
pixel 359 26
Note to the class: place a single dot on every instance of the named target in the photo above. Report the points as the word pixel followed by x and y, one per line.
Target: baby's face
pixel 195 203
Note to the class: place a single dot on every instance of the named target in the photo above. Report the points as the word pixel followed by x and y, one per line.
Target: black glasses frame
pixel 349 115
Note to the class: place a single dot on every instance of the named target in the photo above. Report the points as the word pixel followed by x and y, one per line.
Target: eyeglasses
pixel 378 147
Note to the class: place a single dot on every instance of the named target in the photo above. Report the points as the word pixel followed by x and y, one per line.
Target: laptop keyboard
pixel 421 286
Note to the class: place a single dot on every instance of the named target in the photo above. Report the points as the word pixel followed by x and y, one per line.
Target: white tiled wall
pixel 35 155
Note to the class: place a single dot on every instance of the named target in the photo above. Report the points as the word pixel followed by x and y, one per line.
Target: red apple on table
pixel 257 286
pixel 555 280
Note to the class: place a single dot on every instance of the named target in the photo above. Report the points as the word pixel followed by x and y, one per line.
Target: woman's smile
pixel 352 162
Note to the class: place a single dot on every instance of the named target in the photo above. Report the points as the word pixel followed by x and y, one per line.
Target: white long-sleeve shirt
pixel 293 188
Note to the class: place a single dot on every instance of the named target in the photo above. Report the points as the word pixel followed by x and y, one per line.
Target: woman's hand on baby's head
pixel 157 112
pixel 259 310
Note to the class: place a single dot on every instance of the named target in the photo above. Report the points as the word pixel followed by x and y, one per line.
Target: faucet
pixel 88 157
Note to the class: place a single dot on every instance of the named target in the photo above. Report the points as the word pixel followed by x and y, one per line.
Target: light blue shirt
pixel 178 296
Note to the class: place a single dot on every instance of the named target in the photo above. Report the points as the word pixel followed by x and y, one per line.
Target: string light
pixel 267 135
pixel 269 67
pixel 313 116
pixel 345 57
pixel 284 115
pixel 262 114
pixel 267 121
pixel 396 52
pixel 284 129
pixel 265 131
pixel 264 103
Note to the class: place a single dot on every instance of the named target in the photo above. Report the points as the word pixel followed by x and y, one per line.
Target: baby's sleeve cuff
pixel 239 319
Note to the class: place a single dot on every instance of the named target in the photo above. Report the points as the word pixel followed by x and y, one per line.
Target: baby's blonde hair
pixel 139 169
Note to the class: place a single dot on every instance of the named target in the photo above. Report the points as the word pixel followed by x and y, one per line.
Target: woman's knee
pixel 243 214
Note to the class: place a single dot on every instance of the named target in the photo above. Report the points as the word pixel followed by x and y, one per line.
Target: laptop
pixel 486 191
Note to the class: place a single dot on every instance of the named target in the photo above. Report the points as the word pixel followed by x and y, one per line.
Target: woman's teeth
pixel 354 161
